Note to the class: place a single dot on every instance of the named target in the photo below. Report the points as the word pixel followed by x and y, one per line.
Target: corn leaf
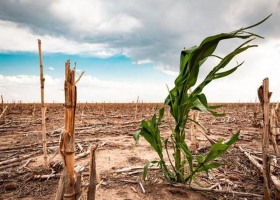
pixel 145 171
pixel 207 167
pixel 233 139
pixel 136 136
pixel 219 148
pixel 187 153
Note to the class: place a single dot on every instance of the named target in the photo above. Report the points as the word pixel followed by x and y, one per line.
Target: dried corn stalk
pixel 42 81
pixel 2 101
pixel 264 97
pixel 67 143
pixel 194 144
pixel 2 116
pixel 274 127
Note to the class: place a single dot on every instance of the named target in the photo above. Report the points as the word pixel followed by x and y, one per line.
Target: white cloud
pixel 167 70
pixel 51 68
pixel 94 17
pixel 170 72
pixel 49 43
pixel 120 23
pixel 92 89
pixel 8 43
pixel 27 88
pixel 142 62
pixel 89 89
pixel 19 80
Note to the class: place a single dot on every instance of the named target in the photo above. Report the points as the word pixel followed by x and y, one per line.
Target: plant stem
pixel 169 157
pixel 179 170
pixel 68 143
pixel 42 81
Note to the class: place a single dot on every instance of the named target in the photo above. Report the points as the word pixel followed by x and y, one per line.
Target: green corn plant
pixel 181 103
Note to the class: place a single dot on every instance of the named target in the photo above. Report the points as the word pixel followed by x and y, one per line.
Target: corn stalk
pixel 181 103
pixel 2 115
pixel 194 117
pixel 43 108
pixel 264 96
pixel 67 143
pixel 136 107
pixel 2 102
pixel 274 128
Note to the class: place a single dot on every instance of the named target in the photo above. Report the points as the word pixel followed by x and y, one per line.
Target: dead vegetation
pixel 119 161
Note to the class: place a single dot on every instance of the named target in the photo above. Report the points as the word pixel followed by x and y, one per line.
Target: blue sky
pixel 118 70
pixel 130 48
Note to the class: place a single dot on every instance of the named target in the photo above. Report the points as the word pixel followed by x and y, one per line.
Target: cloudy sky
pixel 131 48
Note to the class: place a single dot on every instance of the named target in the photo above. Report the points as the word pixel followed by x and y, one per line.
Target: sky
pixel 130 49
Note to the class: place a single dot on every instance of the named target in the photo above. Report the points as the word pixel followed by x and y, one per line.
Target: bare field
pixel 111 126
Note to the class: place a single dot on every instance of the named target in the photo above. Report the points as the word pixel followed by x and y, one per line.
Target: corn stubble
pixel 67 144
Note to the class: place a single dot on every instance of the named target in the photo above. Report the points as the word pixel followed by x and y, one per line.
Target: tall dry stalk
pixel 21 108
pixel 136 107
pixel 194 117
pixel 274 128
pixel 33 111
pixel 2 101
pixel 264 97
pixel 67 143
pixel 3 109
pixel 2 115
pixel 93 174
pixel 193 146
pixel 43 108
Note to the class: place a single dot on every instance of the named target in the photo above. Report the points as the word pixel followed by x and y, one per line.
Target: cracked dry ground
pixel 119 160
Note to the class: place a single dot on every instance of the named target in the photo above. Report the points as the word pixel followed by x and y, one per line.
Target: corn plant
pixel 181 103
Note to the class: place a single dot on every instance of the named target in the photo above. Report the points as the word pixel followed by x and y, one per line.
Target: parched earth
pixel 119 159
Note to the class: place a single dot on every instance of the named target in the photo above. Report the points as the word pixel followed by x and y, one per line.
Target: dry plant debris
pixel 110 126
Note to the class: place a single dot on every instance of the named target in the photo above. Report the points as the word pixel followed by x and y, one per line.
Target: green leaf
pixel 207 167
pixel 217 114
pixel 153 121
pixel 154 162
pixel 148 126
pixel 213 165
pixel 216 150
pixel 136 136
pixel 219 148
pixel 145 172
pixel 233 138
pixel 215 107
pixel 203 100
pixel 200 159
pixel 226 73
pixel 149 138
pixel 256 24
pixel 187 153
pixel 161 113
